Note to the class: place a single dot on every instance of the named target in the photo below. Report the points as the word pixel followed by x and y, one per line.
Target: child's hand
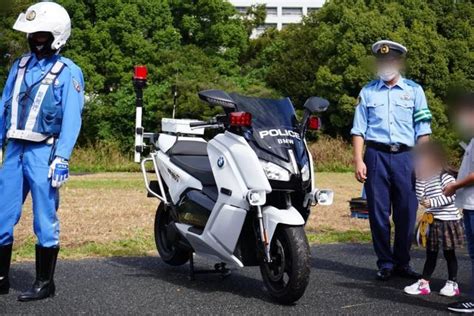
pixel 426 203
pixel 450 189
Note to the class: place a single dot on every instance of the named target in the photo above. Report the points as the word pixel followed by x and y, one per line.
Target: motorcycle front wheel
pixel 287 276
pixel 167 249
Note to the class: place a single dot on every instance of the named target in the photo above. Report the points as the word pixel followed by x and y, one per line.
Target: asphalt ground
pixel 342 282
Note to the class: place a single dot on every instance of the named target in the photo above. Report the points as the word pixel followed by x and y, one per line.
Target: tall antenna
pixel 175 99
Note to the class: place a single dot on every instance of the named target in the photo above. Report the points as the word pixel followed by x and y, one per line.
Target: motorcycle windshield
pixel 274 126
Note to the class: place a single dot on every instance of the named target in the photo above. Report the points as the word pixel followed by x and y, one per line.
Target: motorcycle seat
pixel 188 147
pixel 191 156
pixel 197 166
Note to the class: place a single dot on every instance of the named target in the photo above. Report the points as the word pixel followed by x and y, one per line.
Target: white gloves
pixel 58 172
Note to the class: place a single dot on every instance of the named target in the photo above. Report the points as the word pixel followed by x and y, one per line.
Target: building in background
pixel 280 12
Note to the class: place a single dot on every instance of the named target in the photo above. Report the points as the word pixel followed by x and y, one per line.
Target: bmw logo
pixel 220 162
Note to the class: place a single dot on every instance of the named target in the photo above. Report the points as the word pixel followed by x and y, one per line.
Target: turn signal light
pixel 243 119
pixel 314 123
pixel 140 73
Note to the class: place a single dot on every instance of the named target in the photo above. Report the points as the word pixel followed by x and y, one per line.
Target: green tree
pixel 329 54
pixel 254 17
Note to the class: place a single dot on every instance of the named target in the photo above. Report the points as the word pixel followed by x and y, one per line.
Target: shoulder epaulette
pixel 370 84
pixel 411 83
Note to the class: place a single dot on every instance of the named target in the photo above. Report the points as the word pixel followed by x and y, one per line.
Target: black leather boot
pixel 44 284
pixel 5 259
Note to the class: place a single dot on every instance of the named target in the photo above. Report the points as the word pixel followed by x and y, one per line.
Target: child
pixel 445 229
pixel 464 187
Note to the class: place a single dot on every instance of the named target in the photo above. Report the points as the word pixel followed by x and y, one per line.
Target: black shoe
pixel 462 307
pixel 384 274
pixel 5 259
pixel 407 272
pixel 44 284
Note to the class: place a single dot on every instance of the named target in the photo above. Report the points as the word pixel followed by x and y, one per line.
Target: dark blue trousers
pixel 469 226
pixel 390 190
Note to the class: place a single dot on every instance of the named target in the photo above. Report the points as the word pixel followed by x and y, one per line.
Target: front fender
pixel 273 216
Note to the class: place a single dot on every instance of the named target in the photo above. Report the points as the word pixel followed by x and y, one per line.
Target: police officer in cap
pixel 392 115
pixel 40 120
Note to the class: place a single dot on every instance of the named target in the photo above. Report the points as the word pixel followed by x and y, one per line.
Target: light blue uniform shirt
pixel 386 115
pixel 68 91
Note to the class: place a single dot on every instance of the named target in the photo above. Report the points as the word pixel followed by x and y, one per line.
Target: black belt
pixel 395 148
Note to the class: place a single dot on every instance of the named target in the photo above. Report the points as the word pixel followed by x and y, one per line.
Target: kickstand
pixel 219 268
pixel 191 267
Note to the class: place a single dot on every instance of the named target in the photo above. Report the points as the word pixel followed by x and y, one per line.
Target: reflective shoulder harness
pixel 28 133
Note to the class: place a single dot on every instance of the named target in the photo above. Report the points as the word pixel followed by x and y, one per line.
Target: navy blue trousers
pixel 390 190
pixel 469 226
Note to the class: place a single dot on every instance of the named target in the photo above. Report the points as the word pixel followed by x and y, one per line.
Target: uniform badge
pixel 77 85
pixel 31 15
pixel 56 83
pixel 406 97
pixel 47 81
pixel 385 49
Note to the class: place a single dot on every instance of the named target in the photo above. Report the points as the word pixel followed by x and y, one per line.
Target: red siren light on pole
pixel 140 72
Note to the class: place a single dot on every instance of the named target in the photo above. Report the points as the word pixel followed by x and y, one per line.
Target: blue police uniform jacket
pixel 396 115
pixel 58 85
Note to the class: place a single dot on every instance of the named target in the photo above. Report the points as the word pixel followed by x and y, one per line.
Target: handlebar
pixel 198 124
pixel 214 123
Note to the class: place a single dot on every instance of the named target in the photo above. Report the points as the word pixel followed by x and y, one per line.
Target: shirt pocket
pixel 375 112
pixel 404 111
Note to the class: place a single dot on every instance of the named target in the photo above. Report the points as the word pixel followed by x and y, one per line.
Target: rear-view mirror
pixel 316 104
pixel 217 97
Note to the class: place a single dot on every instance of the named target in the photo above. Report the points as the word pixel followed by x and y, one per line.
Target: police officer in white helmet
pixel 40 120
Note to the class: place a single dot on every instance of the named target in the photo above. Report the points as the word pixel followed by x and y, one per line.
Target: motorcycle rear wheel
pixel 287 276
pixel 167 249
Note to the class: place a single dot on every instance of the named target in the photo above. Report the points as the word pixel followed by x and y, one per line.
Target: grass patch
pixel 139 245
pixel 143 244
pixel 108 214
pixel 86 183
pixel 330 155
pixel 332 237
pixel 102 157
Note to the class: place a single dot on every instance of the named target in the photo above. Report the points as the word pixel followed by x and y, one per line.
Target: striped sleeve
pixel 420 189
pixel 442 200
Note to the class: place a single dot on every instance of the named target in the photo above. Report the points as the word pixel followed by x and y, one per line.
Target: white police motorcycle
pixel 241 198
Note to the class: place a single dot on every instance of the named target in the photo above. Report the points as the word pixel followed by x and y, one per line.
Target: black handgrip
pixel 197 124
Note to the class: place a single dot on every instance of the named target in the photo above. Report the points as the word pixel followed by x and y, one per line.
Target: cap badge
pixel 31 15
pixel 385 49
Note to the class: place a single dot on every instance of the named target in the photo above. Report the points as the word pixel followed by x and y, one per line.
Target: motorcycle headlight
pixel 305 172
pixel 275 172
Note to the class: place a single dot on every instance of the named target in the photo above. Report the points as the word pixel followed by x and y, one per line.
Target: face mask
pixel 41 49
pixel 387 74
pixel 465 127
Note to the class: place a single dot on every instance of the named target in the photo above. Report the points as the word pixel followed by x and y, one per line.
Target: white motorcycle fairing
pixel 177 180
pixel 236 170
pixel 273 216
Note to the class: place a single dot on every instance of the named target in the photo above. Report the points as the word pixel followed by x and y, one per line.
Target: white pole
pixel 138 133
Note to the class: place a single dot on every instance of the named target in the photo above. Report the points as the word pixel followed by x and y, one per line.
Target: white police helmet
pixel 46 17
